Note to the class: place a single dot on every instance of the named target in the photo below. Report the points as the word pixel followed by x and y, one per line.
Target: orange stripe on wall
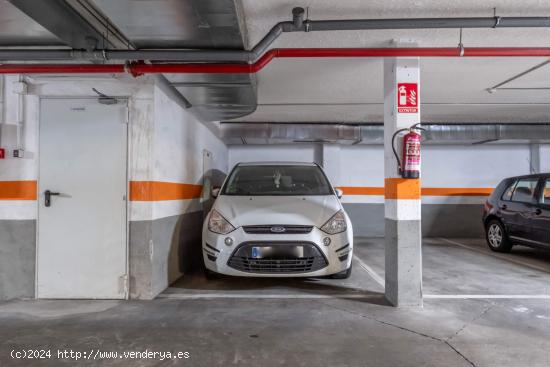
pixel 159 191
pixel 18 190
pixel 425 191
pixel 349 190
pixel 442 191
pixel 402 188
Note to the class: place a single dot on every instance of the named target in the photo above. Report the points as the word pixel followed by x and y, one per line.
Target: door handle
pixel 503 207
pixel 48 197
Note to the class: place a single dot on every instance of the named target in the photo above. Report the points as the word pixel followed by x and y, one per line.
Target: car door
pixel 506 209
pixel 520 209
pixel 540 220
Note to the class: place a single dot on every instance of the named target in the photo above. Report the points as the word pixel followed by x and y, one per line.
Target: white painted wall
pixel 23 242
pixel 362 165
pixel 442 165
pixel 472 166
pixel 177 140
pixel 450 166
pixel 166 143
pixel 16 168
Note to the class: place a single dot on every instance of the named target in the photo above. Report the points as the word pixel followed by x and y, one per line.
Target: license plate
pixel 260 252
pixel 256 252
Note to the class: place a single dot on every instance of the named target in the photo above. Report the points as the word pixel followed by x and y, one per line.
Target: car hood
pixel 289 210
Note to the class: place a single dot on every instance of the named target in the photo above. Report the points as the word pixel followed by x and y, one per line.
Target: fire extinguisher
pixel 409 164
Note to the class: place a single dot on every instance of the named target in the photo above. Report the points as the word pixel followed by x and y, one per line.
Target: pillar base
pixel 403 241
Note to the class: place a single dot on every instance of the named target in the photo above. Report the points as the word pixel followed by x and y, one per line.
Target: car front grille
pixel 279 260
pixel 277 229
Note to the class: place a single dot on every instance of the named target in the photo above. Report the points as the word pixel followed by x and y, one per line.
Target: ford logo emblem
pixel 278 229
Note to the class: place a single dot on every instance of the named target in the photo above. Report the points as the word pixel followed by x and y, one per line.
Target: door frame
pixel 126 102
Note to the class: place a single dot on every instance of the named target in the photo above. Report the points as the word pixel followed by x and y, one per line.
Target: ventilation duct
pixel 285 133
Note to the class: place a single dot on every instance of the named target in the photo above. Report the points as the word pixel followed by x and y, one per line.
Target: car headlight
pixel 336 224
pixel 218 224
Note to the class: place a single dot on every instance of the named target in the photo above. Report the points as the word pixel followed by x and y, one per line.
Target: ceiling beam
pixel 64 22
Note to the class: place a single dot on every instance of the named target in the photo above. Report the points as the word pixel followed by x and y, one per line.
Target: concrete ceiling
pixel 18 29
pixel 340 90
pixel 350 90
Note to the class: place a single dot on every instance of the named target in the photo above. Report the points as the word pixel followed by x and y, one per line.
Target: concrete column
pixel 544 157
pixel 318 154
pixel 331 162
pixel 402 196
pixel 534 158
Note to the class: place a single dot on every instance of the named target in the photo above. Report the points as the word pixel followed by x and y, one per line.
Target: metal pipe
pixel 298 24
pixel 298 17
pixel 137 69
pixel 61 69
pixel 260 49
pixel 425 23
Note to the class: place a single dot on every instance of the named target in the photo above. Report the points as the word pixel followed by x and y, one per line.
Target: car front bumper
pixel 217 254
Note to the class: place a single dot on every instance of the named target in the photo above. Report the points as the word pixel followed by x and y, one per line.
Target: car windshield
pixel 277 180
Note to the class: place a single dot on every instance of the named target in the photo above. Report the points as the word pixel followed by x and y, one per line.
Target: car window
pixel 525 189
pixel 546 193
pixel 273 180
pixel 508 193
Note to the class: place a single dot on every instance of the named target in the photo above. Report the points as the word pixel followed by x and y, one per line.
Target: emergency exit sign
pixel 407 98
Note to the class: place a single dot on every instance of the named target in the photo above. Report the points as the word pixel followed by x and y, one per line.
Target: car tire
pixel 496 236
pixel 211 275
pixel 343 274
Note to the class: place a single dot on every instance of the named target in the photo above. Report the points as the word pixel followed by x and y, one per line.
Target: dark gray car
pixel 518 212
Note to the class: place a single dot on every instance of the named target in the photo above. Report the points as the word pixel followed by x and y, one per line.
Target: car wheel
pixel 497 239
pixel 343 274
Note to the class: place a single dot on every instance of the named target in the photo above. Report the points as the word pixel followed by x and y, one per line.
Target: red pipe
pixel 137 69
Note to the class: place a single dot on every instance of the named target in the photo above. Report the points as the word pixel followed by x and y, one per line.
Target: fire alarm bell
pixel 2 153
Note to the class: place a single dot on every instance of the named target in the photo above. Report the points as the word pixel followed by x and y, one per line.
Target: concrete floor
pixel 481 309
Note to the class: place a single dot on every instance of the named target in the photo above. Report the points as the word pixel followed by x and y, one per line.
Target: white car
pixel 277 219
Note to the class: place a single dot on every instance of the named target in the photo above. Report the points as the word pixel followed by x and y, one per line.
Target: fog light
pixel 326 241
pixel 228 241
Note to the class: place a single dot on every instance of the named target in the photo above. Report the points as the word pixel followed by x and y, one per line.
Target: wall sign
pixel 407 98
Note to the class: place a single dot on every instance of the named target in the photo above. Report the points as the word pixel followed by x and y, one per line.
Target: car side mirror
pixel 215 192
pixel 339 193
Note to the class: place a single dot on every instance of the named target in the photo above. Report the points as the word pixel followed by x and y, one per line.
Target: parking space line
pixel 377 278
pixel 487 296
pixel 179 296
pixel 496 256
pixel 265 296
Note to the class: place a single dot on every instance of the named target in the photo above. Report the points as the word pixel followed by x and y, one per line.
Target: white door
pixel 82 233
